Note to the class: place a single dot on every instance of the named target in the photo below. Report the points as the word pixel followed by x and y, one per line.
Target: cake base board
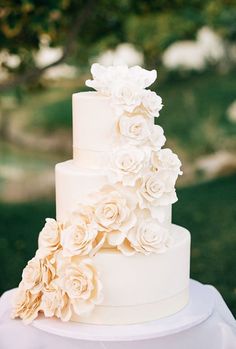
pixel 199 308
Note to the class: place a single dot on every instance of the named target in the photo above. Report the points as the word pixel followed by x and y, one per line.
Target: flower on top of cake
pixel 127 88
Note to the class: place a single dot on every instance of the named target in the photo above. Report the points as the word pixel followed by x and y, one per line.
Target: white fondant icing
pixel 143 288
pixel 94 122
pixel 73 185
pixel 124 315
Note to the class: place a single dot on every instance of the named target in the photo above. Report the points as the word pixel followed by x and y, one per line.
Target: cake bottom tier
pixel 142 288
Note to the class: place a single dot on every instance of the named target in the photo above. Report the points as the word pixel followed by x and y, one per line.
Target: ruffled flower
pixel 55 302
pixel 127 164
pixel 165 159
pixel 32 276
pixel 157 138
pixel 152 103
pixel 79 279
pixel 78 236
pixel 26 305
pixel 49 237
pixel 104 78
pixel 38 274
pixel 146 237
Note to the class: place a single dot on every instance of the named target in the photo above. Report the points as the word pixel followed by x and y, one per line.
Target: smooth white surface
pixel 143 288
pixel 141 279
pixel 94 122
pixel 218 331
pixel 73 184
pixel 120 315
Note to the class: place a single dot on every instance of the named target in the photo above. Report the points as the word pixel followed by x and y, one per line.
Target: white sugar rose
pixel 48 265
pixel 136 129
pixel 79 234
pixel 38 274
pixel 167 160
pixel 32 276
pixel 126 164
pixel 126 96
pixel 157 138
pixel 156 189
pixel 142 77
pixel 148 237
pixel 80 280
pixel 64 309
pixel 114 213
pixel 105 77
pixel 152 103
pixel 49 238
pixel 55 302
pixel 51 300
pixel 26 305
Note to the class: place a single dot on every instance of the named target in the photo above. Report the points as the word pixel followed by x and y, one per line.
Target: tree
pixel 76 25
pixel 83 27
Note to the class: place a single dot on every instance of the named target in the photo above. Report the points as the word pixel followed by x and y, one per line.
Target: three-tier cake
pixel 112 256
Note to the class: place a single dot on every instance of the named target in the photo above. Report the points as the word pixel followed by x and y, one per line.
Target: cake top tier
pixel 102 119
pixel 94 122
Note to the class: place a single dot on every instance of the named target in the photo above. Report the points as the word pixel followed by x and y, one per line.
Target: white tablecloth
pixel 217 332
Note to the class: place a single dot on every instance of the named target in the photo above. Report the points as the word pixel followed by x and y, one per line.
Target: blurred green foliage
pixel 150 25
pixel 208 210
pixel 212 227
pixel 194 114
pixel 52 116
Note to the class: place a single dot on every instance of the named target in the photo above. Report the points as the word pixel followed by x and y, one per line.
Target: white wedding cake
pixel 112 256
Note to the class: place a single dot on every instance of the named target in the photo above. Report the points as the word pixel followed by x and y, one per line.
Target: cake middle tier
pixel 74 184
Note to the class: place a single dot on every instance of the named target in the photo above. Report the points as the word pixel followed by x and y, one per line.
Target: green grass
pixel 19 228
pixel 194 113
pixel 52 116
pixel 208 210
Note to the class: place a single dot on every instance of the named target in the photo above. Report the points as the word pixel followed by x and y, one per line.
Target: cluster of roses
pixel 139 163
pixel 55 282
pixel 127 214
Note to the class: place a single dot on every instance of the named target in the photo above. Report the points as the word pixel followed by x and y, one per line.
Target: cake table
pixel 205 322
